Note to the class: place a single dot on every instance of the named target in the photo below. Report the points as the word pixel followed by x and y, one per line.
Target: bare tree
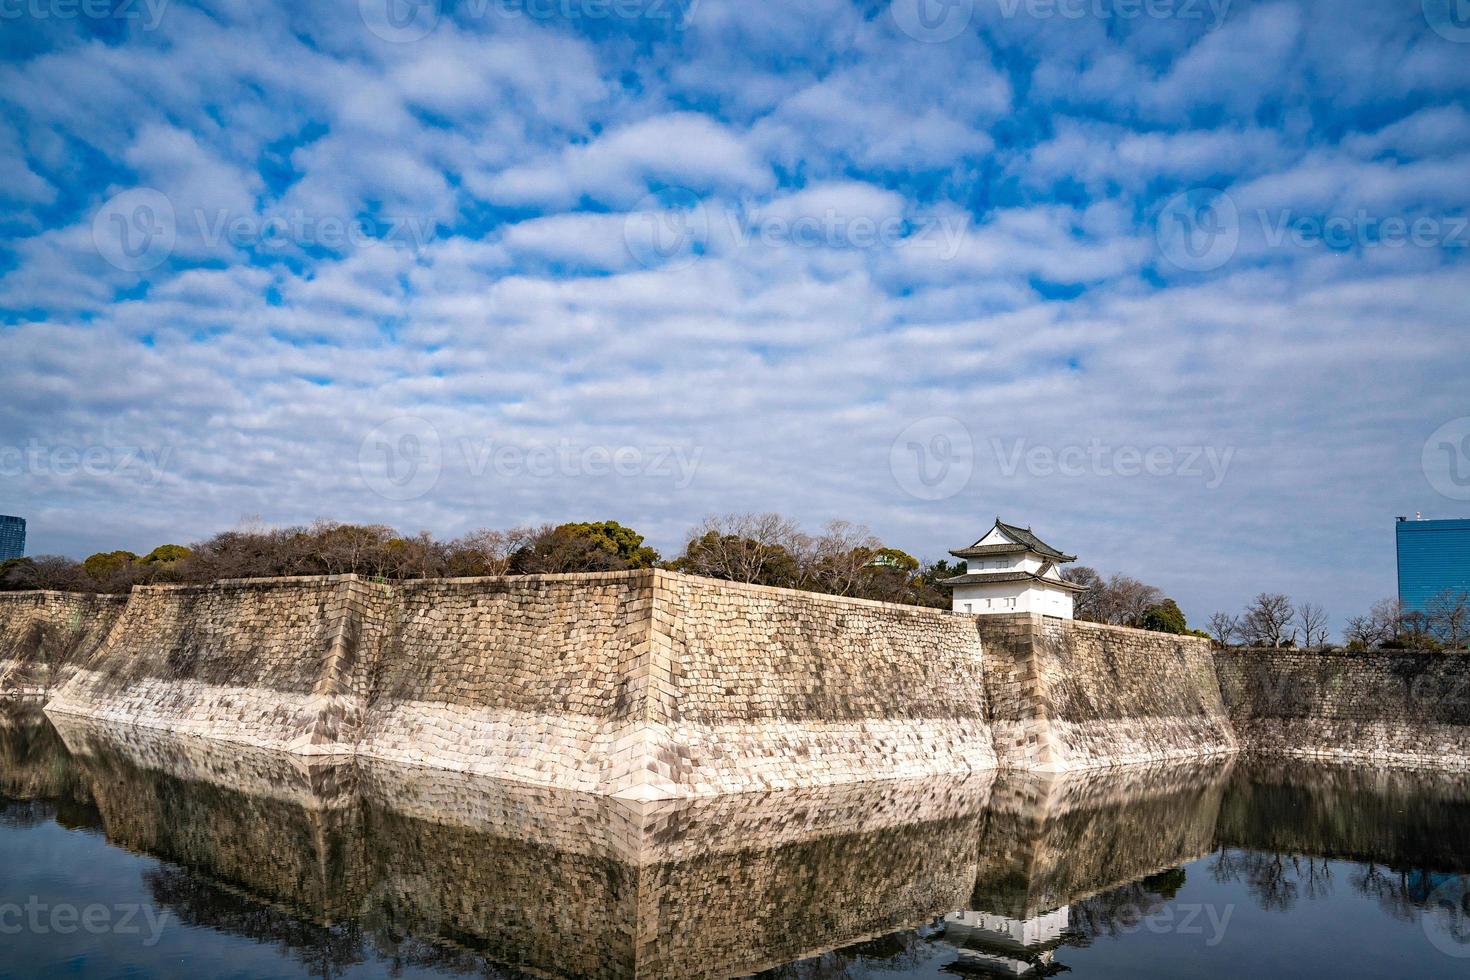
pixel 1085 604
pixel 1223 627
pixel 486 551
pixel 1449 616
pixel 836 561
pixel 740 547
pixel 1362 631
pixel 1267 618
pixel 1313 620
pixel 1126 599
pixel 1387 617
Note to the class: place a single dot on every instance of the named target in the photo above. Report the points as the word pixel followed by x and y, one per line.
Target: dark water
pixel 124 854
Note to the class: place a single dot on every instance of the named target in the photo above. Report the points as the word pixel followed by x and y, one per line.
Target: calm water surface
pixel 127 854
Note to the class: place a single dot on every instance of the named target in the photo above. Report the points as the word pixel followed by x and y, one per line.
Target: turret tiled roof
pixel 1025 541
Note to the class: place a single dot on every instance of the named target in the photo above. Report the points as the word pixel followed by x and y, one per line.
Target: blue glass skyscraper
pixel 1433 556
pixel 12 537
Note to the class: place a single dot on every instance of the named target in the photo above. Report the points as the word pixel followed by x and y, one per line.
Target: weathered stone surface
pixel 649 685
pixel 1070 695
pixel 1405 709
pixel 258 662
pixel 45 635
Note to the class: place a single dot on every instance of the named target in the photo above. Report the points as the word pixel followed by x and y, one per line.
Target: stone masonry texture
pixel 651 685
pixel 1408 709
pixel 1073 695
pixel 45 635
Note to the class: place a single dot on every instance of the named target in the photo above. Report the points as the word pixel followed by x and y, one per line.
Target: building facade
pixel 1011 570
pixel 12 537
pixel 1433 557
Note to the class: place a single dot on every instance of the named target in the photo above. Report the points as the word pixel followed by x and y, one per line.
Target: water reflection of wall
pixel 1396 817
pixel 447 868
pixel 1050 842
pixel 34 762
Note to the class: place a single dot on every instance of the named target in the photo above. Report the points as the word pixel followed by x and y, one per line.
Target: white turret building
pixel 1011 570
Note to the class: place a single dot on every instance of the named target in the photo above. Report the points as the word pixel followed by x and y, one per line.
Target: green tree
pixel 622 541
pixel 1166 617
pixel 166 553
pixel 105 564
pixel 605 546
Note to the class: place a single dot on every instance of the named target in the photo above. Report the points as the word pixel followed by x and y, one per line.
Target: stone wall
pixel 1409 709
pixel 652 685
pixel 272 662
pixel 1067 695
pixel 753 688
pixel 45 635
pixel 531 678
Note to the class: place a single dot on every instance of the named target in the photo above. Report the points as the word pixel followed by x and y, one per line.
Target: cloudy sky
pixel 1181 283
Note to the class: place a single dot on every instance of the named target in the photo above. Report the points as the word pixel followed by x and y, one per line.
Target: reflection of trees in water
pixel 325 949
pixel 1120 910
pixel 1276 880
pixel 1408 894
pixel 901 952
pixel 1402 893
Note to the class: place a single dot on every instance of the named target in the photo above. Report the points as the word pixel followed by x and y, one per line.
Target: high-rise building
pixel 1433 556
pixel 12 537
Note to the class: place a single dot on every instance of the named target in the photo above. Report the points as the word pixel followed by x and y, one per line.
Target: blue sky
pixel 1182 283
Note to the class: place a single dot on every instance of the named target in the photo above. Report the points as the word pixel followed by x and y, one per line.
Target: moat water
pixel 128 854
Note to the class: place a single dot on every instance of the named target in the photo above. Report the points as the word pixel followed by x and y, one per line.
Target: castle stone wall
pixel 530 678
pixel 1067 695
pixel 45 635
pixel 1401 708
pixel 759 688
pixel 651 685
pixel 268 662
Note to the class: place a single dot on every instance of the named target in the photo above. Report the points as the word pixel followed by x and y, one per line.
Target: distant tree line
pixel 767 549
pixel 1274 620
pixel 1121 600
